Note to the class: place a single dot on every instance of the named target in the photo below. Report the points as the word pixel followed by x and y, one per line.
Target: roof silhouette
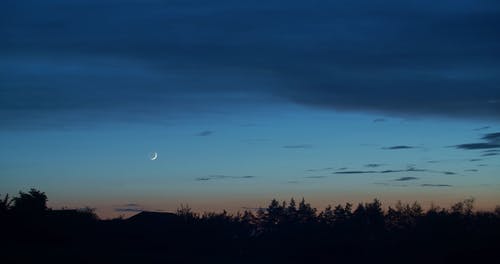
pixel 151 218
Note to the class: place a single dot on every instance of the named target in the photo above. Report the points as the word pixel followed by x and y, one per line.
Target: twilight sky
pixel 246 101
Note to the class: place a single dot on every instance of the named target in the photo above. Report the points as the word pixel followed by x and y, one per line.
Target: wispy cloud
pixel 373 165
pixel 472 146
pixel 221 177
pixel 205 133
pixel 482 128
pixel 410 169
pixel 399 147
pixel 435 185
pixel 128 210
pixel 203 179
pixel 129 207
pixel 318 170
pixel 492 142
pixel 493 137
pixel 315 177
pixel 406 179
pixel 492 150
pixel 354 172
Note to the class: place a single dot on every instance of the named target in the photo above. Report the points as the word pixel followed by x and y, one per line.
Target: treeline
pixel 283 232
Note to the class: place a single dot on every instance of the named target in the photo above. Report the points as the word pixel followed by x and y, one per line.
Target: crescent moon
pixel 154 156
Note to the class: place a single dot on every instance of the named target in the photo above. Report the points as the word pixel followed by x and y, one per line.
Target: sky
pixel 245 101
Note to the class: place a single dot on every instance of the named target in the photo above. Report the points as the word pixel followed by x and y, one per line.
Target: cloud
pixel 492 151
pixel 203 179
pixel 492 142
pixel 322 169
pixel 490 154
pixel 390 171
pixel 435 185
pixel 473 146
pixel 492 137
pixel 373 165
pixel 405 170
pixel 124 210
pixel 130 207
pixel 301 146
pixel 189 57
pixel 315 177
pixel 354 172
pixel 410 169
pixel 406 179
pixel 219 176
pixel 482 128
pixel 399 147
pixel 205 133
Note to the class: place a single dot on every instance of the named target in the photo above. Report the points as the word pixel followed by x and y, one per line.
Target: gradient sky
pixel 246 101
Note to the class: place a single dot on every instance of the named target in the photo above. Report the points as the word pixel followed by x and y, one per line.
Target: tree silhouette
pixel 282 232
pixel 342 214
pixel 32 202
pixel 273 216
pixel 5 204
pixel 306 213
pixel 291 211
pixel 327 216
pixel 186 213
pixel 463 207
pixel 403 216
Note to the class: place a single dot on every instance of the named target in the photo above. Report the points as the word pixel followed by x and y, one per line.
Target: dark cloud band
pixel 138 58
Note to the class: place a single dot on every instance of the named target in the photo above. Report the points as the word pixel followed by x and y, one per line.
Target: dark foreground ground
pixel 280 233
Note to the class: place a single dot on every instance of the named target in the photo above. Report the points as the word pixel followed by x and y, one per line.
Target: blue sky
pixel 247 101
pixel 244 159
